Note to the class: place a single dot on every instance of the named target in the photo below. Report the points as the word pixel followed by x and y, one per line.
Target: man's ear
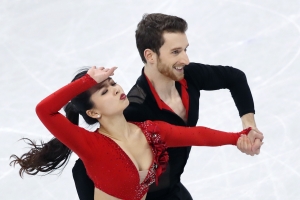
pixel 150 56
pixel 93 114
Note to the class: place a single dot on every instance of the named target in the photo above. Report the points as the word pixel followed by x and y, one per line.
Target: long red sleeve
pixel 176 136
pixel 47 110
pixel 109 167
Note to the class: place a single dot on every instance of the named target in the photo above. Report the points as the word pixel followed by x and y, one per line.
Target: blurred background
pixel 44 43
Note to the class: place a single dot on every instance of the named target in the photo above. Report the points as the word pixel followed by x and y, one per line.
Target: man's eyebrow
pixel 178 48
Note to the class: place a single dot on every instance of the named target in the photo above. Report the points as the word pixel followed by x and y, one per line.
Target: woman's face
pixel 108 98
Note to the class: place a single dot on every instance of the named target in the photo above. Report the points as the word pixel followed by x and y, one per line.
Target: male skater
pixel 169 90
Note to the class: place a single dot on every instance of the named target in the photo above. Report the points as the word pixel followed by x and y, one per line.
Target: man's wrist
pixel 248 121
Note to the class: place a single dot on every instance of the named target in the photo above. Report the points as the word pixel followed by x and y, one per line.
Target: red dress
pixel 110 168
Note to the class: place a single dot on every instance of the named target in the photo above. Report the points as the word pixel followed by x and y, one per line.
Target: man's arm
pixel 212 77
pixel 207 77
pixel 84 185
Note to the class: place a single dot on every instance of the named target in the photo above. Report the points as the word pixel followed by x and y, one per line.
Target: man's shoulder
pixel 138 92
pixel 200 66
pixel 138 109
pixel 194 70
pixel 192 66
pixel 203 70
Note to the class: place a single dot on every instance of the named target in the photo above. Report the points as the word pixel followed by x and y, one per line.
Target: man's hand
pixel 251 143
pixel 256 137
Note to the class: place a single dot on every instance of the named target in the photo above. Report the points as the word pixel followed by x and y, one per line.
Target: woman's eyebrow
pixel 105 83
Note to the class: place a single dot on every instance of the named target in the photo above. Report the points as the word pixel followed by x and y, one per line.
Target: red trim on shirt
pixel 184 96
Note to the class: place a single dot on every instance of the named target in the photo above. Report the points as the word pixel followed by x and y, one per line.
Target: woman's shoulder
pixel 147 125
pixel 148 128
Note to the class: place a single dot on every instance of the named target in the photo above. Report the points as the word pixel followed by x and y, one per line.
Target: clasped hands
pixel 250 144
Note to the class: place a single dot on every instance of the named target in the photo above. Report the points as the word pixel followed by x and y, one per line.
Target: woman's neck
pixel 115 127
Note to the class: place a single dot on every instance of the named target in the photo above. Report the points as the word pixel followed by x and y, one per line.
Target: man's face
pixel 173 55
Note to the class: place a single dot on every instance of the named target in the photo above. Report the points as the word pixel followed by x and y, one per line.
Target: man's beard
pixel 168 71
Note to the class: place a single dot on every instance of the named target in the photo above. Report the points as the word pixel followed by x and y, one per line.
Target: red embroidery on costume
pixel 158 146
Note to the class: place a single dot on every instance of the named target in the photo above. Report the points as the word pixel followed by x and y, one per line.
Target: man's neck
pixel 164 86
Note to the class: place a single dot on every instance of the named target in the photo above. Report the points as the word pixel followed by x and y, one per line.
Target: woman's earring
pixel 98 116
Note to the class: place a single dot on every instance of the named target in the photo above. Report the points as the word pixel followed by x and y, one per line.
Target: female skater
pixel 122 158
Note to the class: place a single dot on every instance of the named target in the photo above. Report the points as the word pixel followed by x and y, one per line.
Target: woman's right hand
pixel 101 74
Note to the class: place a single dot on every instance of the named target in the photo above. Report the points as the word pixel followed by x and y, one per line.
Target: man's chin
pixel 173 75
pixel 177 75
pixel 179 79
pixel 176 78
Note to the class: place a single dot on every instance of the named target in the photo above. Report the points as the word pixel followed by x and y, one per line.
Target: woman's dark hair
pixel 149 32
pixel 47 157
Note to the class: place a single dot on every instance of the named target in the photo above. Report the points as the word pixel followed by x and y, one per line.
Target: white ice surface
pixel 43 43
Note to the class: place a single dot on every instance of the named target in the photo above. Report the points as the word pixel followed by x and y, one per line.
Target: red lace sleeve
pixel 71 135
pixel 176 136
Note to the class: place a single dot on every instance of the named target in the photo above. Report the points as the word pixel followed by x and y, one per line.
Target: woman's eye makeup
pixel 104 92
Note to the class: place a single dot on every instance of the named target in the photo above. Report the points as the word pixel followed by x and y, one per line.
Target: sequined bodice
pixel 115 164
pixel 158 148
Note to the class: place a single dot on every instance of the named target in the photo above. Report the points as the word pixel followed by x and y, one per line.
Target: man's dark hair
pixel 149 32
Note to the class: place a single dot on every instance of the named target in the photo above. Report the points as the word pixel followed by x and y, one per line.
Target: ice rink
pixel 43 44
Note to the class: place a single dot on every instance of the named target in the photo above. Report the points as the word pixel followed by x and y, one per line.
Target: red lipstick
pixel 123 96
